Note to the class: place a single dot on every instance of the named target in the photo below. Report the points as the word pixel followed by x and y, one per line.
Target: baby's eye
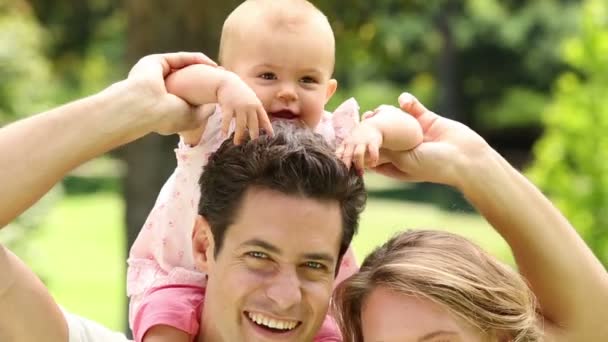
pixel 268 76
pixel 308 79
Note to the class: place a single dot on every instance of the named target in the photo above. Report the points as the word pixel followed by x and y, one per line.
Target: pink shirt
pixel 162 281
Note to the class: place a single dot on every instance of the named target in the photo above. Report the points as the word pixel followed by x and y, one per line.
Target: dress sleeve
pixel 344 119
pixel 176 306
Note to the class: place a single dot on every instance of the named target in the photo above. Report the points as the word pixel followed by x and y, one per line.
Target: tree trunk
pixel 447 66
pixel 162 26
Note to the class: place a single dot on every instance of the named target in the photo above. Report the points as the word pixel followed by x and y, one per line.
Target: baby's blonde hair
pixel 277 14
pixel 448 270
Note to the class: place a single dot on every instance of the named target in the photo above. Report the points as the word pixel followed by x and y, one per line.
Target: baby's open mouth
pixel 284 114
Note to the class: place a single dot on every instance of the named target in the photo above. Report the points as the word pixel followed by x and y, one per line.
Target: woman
pixel 440 282
pixel 436 286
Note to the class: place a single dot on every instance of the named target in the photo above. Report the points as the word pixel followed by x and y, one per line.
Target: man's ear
pixel 332 86
pixel 203 245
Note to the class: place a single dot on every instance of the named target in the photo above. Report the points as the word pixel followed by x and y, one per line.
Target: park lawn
pixel 80 256
pixel 79 249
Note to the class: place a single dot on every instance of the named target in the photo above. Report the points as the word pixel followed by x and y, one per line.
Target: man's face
pixel 273 276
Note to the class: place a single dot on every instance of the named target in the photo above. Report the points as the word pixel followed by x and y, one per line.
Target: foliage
pixel 571 158
pixel 27 86
pixel 85 45
pixel 25 72
pixel 488 63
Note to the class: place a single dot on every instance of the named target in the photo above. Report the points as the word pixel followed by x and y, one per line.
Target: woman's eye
pixel 268 76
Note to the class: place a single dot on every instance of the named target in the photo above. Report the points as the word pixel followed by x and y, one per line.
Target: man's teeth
pixel 272 323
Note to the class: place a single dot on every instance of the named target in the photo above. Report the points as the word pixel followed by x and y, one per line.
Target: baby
pixel 277 61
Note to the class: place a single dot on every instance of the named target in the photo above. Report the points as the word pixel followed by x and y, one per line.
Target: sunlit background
pixel 530 76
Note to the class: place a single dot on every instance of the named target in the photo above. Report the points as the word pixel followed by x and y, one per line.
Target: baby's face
pixel 289 70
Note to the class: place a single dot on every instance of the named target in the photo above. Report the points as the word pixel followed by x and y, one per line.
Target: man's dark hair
pixel 295 161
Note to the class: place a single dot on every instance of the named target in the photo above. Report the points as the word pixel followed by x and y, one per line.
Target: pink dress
pixel 163 283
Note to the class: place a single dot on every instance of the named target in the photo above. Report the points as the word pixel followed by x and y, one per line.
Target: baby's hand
pixel 238 100
pixel 361 147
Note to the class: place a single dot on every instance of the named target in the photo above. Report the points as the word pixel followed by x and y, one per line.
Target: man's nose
pixel 287 92
pixel 285 289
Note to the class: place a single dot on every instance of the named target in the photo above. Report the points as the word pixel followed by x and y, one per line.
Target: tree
pixel 23 63
pixel 23 66
pixel 571 157
pixel 487 63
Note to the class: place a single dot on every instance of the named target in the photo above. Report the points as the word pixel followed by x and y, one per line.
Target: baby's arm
pixel 399 131
pixel 165 333
pixel 201 85
pixel 388 128
pixel 198 86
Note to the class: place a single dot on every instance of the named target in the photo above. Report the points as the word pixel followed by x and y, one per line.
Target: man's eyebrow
pixel 430 335
pixel 320 257
pixel 262 244
pixel 274 249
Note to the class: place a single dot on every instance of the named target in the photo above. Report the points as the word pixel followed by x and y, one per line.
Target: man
pixel 278 214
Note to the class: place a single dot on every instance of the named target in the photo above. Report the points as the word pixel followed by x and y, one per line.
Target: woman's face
pixel 388 316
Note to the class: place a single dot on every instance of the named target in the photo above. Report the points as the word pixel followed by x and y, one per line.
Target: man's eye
pixel 258 255
pixel 315 265
pixel 268 76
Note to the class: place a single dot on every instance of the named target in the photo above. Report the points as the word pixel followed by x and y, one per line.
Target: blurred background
pixel 530 76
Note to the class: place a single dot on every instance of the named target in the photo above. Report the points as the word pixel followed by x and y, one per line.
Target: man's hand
pixel 238 100
pixel 447 147
pixel 148 77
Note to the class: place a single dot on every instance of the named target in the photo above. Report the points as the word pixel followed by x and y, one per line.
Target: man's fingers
pixel 340 151
pixel 178 60
pixel 410 104
pixel 252 124
pixel 347 156
pixel 359 157
pixel 367 115
pixel 374 155
pixel 163 64
pixel 391 171
pixel 177 116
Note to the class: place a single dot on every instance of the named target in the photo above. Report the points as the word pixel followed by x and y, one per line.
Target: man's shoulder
pixel 84 330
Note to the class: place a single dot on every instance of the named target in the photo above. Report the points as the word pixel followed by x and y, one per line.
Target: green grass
pixel 79 249
pixel 80 255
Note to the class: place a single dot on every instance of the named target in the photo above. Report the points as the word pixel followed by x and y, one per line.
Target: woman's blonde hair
pixel 450 271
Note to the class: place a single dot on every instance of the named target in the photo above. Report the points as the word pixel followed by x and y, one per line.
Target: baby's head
pixel 285 51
